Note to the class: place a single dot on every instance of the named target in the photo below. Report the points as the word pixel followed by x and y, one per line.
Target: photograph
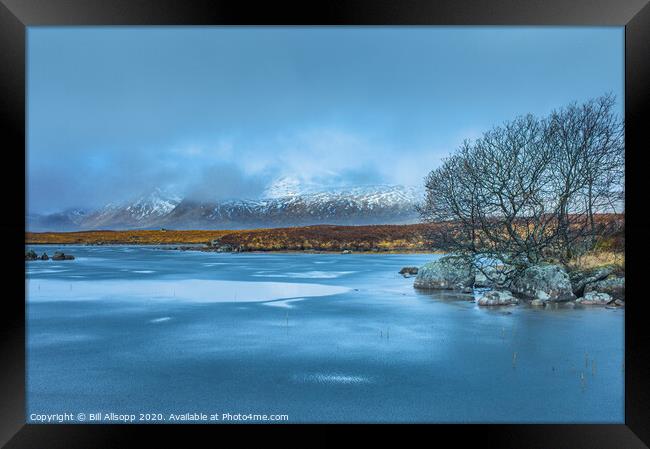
pixel 325 224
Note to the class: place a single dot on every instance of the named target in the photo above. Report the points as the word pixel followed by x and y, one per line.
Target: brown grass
pixel 596 259
pixel 333 238
pixel 316 238
pixel 123 237
pixel 402 238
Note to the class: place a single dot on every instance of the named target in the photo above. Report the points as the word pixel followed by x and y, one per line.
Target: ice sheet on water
pixel 190 290
pixel 283 303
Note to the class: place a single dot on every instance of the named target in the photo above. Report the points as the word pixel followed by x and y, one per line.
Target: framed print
pixel 235 216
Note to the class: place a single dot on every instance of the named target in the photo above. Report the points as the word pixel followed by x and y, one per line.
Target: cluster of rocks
pixel 497 298
pixel 539 285
pixel 218 246
pixel 58 255
pixel 599 286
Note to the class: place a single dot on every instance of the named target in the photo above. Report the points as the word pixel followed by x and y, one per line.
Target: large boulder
pixel 30 255
pixel 547 282
pixel 497 298
pixel 491 277
pixel 580 278
pixel 446 273
pixel 614 286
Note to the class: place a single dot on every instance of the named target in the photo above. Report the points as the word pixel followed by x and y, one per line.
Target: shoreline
pixel 206 249
pixel 438 276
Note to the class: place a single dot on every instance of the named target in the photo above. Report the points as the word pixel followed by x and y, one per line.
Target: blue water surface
pixel 318 337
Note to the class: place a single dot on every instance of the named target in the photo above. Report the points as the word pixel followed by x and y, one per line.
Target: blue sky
pixel 216 112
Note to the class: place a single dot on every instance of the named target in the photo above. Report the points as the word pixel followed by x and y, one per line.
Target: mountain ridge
pixel 160 208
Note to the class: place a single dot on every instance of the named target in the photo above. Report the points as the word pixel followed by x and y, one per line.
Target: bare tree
pixel 588 141
pixel 529 190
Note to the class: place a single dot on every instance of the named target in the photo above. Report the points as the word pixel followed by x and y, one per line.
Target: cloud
pixel 324 155
pixel 216 112
pixel 225 181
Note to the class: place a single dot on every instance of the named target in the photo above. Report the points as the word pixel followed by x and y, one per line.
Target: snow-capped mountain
pixel 355 206
pixel 142 212
pixel 286 204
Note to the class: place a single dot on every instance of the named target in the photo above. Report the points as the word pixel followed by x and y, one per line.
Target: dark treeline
pixel 531 190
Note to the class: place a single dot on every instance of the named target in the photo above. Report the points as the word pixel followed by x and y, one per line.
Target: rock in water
pixel 45 257
pixel 446 273
pixel 613 286
pixel 408 271
pixel 547 282
pixel 30 255
pixel 594 298
pixel 58 255
pixel 497 298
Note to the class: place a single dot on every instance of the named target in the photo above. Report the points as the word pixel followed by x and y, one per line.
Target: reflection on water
pixel 331 338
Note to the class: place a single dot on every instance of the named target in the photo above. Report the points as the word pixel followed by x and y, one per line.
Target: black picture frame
pixel 16 15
